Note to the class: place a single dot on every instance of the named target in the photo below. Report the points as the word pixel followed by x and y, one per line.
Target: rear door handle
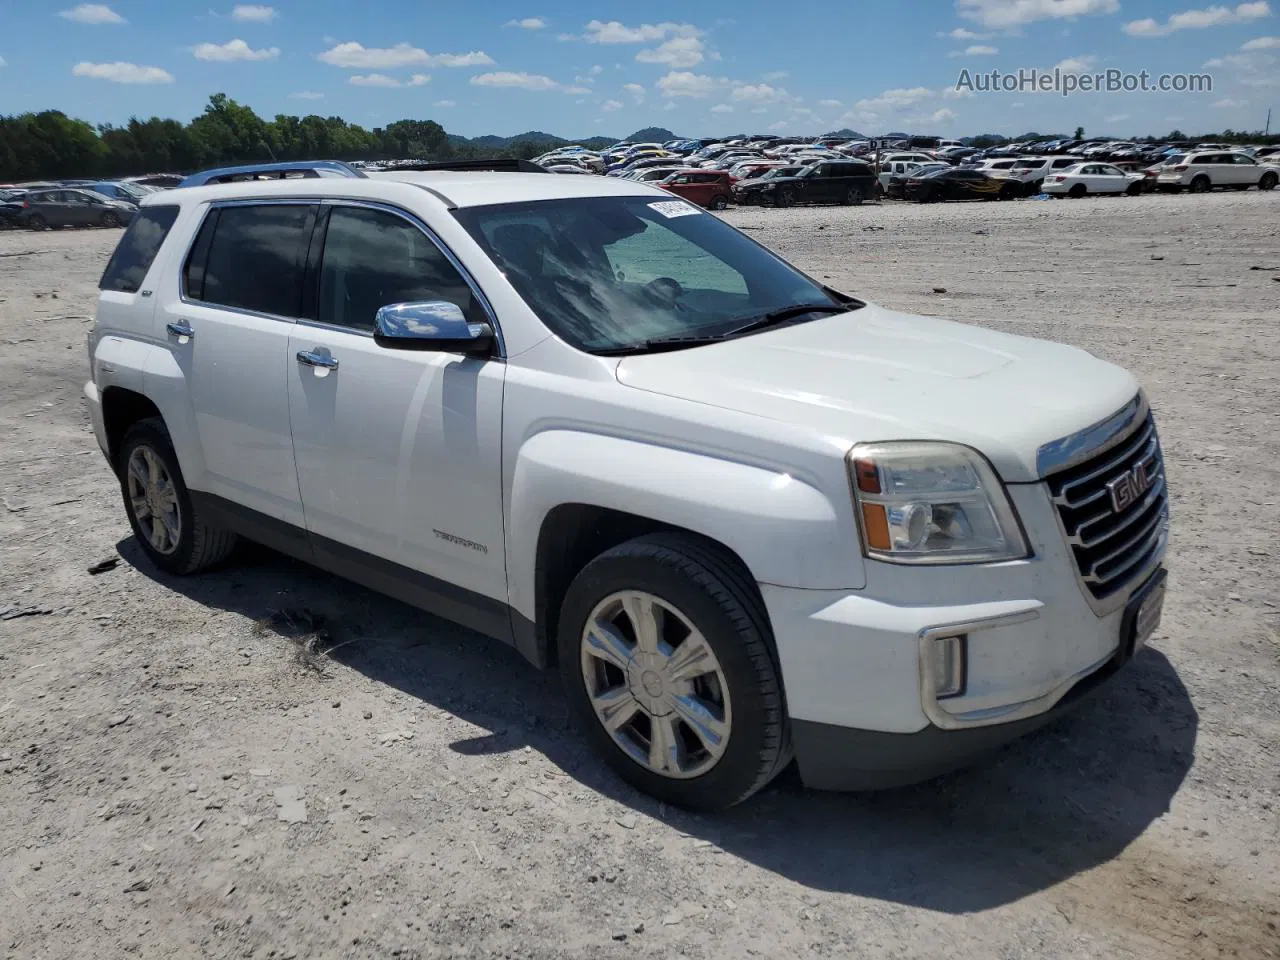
pixel 309 358
pixel 180 329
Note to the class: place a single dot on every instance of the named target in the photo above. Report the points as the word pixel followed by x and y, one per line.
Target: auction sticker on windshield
pixel 674 208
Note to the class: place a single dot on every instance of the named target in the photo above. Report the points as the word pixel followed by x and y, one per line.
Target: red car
pixel 706 188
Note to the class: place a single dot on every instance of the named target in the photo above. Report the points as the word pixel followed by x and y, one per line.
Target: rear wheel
pixel 1077 191
pixel 37 222
pixel 665 659
pixel 110 219
pixel 783 198
pixel 1268 181
pixel 852 197
pixel 1133 189
pixel 165 522
pixel 1008 192
pixel 1201 184
pixel 719 202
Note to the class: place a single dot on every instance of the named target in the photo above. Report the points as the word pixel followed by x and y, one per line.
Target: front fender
pixel 788 532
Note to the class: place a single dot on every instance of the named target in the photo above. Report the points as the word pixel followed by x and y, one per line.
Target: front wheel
pixel 1077 191
pixel 1268 181
pixel 110 219
pixel 1201 184
pixel 166 524
pixel 783 199
pixel 37 222
pixel 852 198
pixel 664 654
pixel 719 203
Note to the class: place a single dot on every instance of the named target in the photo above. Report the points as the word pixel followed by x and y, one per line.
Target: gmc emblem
pixel 1129 486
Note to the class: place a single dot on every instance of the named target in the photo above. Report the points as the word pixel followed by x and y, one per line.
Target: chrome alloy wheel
pixel 154 500
pixel 655 685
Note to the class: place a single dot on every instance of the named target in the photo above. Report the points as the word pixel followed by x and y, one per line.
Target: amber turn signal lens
pixel 875 522
pixel 867 475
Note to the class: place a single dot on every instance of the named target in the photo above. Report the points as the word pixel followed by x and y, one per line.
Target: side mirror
pixel 430 325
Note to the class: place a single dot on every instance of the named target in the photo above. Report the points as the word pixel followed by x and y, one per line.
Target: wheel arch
pixel 121 409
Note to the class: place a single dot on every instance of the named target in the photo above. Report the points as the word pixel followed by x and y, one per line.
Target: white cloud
pixel 3 62
pixel 962 33
pixel 1075 64
pixel 596 70
pixel 1227 103
pixel 776 75
pixel 524 81
pixel 1256 68
pixel 306 95
pixel 1116 118
pixel 893 99
pixel 980 50
pixel 943 115
pixel 636 90
pixel 779 126
pixel 676 52
pixel 122 72
pixel 1198 19
pixel 356 57
pixel 1017 104
pixel 92 13
pixel 828 103
pixel 1263 43
pixel 952 93
pixel 759 93
pixel 382 80
pixel 233 50
pixel 253 13
pixel 528 23
pixel 445 104
pixel 683 83
pixel 615 32
pixel 611 105
pixel 722 108
pixel 670 106
pixel 1000 14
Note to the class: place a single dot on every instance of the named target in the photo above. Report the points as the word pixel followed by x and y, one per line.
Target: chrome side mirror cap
pixel 430 325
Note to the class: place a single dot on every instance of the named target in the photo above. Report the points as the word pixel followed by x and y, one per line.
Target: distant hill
pixel 544 140
pixel 652 135
pixel 847 133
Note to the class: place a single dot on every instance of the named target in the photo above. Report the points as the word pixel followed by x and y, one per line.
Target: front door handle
pixel 309 358
pixel 180 329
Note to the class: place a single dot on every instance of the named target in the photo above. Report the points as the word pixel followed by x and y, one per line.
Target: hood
pixel 874 375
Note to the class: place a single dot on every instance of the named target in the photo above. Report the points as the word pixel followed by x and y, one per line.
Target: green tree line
pixel 51 145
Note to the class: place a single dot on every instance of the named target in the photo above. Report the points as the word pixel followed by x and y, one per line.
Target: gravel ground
pixel 268 762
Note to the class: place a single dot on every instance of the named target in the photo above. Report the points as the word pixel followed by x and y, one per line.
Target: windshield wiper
pixel 769 319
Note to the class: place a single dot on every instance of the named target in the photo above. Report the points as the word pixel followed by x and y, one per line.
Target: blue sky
pixel 696 68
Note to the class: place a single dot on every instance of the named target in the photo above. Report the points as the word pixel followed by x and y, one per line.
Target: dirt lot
pixel 156 735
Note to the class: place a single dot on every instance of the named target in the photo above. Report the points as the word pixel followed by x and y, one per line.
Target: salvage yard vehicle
pixel 827 181
pixel 73 207
pixel 751 190
pixel 706 188
pixel 959 183
pixel 1201 172
pixel 746 516
pixel 1085 179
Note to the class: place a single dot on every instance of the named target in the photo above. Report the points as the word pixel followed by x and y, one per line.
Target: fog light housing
pixel 946 663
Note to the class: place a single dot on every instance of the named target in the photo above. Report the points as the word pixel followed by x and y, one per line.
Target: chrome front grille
pixel 1114 510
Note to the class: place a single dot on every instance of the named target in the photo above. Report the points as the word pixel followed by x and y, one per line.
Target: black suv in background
pixel 828 181
pixel 72 207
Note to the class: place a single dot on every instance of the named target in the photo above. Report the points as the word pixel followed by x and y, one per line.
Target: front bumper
pixel 858 677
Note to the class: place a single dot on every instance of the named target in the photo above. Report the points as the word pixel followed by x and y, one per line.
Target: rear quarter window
pixel 137 249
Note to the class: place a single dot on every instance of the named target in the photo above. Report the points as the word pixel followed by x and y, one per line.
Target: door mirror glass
pixel 430 325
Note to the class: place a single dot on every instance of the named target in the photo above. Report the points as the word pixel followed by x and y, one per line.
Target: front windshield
pixel 605 273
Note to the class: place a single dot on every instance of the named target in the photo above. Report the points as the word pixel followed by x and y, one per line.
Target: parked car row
pixel 778 171
pixel 75 203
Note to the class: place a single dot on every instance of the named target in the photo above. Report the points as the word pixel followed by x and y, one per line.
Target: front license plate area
pixel 1142 616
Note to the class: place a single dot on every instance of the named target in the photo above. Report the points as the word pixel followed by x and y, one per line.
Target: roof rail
pixel 272 171
pixel 496 164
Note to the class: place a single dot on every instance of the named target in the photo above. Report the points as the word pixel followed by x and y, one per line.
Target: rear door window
pixel 255 258
pixel 137 249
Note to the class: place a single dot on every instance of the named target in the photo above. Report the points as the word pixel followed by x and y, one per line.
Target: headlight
pixel 932 503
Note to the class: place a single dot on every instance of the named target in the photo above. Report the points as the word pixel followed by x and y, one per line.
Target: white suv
pixel 1200 172
pixel 748 516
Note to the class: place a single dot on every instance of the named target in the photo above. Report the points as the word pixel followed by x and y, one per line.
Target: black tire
pixel 720 202
pixel 37 222
pixel 1009 192
pixel 110 219
pixel 199 545
pixel 1133 190
pixel 852 197
pixel 1201 184
pixel 1268 181
pixel 783 198
pixel 1077 191
pixel 720 599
